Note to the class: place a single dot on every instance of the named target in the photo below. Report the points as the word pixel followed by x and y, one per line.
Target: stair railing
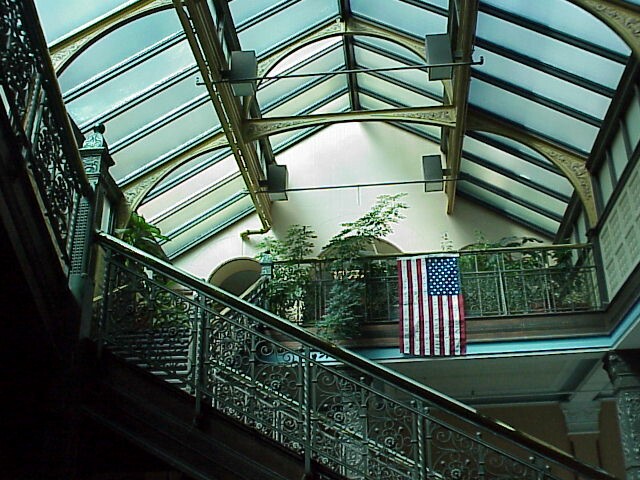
pixel 329 405
pixel 33 105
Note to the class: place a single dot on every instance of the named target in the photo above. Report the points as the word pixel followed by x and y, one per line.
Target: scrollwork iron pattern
pixel 507 282
pixel 340 415
pixel 29 90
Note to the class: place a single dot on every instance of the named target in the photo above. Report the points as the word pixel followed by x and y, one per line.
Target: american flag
pixel 431 306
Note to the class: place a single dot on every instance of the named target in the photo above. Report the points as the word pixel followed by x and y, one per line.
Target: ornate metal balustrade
pixel 495 282
pixel 325 403
pixel 33 105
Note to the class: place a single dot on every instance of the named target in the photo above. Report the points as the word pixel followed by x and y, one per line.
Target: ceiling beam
pixel 209 53
pixel 350 57
pixel 137 190
pixel 440 115
pixel 67 48
pixel 573 166
pixel 467 15
pixel 622 17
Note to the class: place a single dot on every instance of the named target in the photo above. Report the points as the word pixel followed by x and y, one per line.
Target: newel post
pixel 93 213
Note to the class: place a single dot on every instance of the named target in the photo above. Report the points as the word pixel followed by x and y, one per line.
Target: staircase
pixel 210 382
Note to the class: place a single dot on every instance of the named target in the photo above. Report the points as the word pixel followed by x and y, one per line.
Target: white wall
pixel 358 153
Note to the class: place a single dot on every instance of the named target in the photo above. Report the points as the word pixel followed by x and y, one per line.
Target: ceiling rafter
pixel 573 166
pixel 66 49
pixel 350 57
pixel 463 50
pixel 210 55
pixel 440 115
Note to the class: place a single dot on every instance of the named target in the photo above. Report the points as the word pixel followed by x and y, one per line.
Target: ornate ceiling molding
pixel 67 49
pixel 623 19
pixel 441 116
pixel 572 166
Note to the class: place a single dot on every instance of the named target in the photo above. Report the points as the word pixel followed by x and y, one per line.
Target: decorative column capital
pixel 582 417
pixel 95 154
pixel 623 368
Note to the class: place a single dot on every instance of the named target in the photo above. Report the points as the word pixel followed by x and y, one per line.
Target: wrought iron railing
pixel 323 402
pixel 494 282
pixel 33 105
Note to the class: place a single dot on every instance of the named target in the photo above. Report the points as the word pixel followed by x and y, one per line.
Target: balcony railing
pixel 495 283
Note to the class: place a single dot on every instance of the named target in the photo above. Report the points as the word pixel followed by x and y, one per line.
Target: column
pixel 623 367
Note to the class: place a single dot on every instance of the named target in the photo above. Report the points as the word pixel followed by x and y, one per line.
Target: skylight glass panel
pixel 551 51
pixel 209 176
pixel 130 83
pixel 243 10
pixel 314 95
pixel 518 166
pixel 152 109
pixel 301 55
pixel 514 188
pixel 567 18
pixel 286 24
pixel 389 90
pixel 288 87
pixel 60 18
pixel 198 201
pixel 119 45
pixel 543 84
pixel 515 145
pixel 387 46
pixel 509 207
pixel 211 222
pixel 401 16
pixel 155 144
pixel 533 116
pixel 417 78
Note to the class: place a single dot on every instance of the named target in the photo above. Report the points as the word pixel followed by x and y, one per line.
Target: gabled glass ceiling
pixel 550 70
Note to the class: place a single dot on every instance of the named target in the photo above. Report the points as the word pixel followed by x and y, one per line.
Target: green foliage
pixel 143 235
pixel 345 303
pixel 288 286
pixel 378 222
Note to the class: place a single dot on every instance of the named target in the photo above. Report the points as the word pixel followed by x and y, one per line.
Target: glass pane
pixel 127 85
pixel 402 16
pixel 286 24
pixel 515 188
pixel 288 87
pixel 301 55
pixel 197 202
pixel 567 18
pixel 162 140
pixel 632 121
pixel 368 59
pixel 533 116
pixel 518 211
pixel 210 176
pixel 59 18
pixel 517 165
pixel 312 96
pixel 550 51
pixel 391 47
pixel 520 147
pixel 618 153
pixel 389 90
pixel 211 225
pixel 605 182
pixel 543 84
pixel 242 10
pixel 152 109
pixel 119 45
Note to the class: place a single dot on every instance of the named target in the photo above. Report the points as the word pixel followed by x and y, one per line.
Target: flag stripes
pixel 431 306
